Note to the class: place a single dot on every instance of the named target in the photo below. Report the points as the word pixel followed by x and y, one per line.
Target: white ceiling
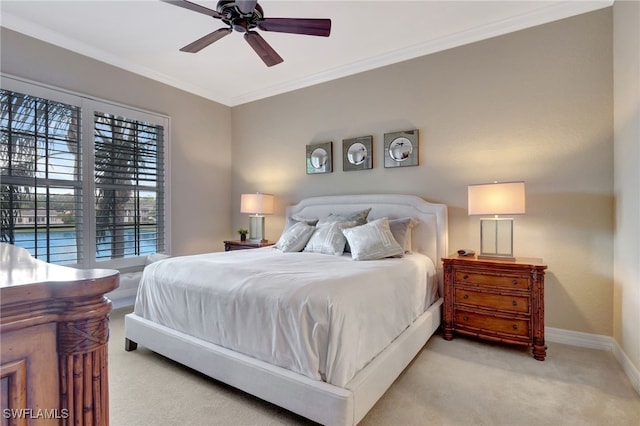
pixel 145 36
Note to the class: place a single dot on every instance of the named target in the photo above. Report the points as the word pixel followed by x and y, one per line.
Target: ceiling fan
pixel 246 15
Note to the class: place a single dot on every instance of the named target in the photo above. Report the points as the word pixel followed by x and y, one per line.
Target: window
pixel 41 189
pixel 82 182
pixel 128 187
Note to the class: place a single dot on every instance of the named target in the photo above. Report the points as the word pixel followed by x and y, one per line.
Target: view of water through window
pixel 61 240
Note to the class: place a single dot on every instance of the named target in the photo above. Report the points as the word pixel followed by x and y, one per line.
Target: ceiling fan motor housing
pixel 234 17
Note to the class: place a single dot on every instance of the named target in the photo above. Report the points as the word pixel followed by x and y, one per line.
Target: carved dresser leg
pixel 84 386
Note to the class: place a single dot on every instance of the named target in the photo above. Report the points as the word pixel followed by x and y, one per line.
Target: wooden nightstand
pixel 495 300
pixel 243 245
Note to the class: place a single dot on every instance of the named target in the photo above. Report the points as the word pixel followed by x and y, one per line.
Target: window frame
pixel 88 106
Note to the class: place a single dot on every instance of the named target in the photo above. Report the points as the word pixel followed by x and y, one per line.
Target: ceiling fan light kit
pixel 247 15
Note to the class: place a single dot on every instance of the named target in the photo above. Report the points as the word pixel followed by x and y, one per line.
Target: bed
pixel 328 377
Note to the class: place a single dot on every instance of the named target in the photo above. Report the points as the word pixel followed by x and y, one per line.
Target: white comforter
pixel 319 315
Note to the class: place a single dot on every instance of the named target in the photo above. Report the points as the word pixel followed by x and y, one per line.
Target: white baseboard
pixel 627 366
pixel 576 338
pixel 596 341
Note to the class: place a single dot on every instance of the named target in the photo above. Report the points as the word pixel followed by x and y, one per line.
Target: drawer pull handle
pixel 465 277
pixel 514 282
pixel 466 296
pixel 514 303
pixel 465 318
pixel 515 326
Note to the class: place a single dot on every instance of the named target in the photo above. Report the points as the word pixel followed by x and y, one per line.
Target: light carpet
pixel 458 382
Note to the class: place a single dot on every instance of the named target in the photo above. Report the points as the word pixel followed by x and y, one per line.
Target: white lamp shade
pixel 256 203
pixel 496 198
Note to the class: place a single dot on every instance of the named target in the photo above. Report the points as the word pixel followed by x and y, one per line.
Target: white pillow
pixel 372 241
pixel 295 238
pixel 328 238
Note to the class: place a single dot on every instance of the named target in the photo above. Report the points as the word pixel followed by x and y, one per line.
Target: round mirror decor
pixel 401 149
pixel 357 153
pixel 319 158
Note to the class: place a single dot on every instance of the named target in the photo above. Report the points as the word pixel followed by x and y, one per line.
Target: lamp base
pixel 256 228
pixel 496 238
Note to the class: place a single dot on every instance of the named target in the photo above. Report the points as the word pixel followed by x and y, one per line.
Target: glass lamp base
pixel 256 228
pixel 496 239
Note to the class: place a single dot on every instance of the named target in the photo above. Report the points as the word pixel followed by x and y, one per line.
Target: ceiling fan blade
pixel 310 26
pixel 194 7
pixel 203 42
pixel 246 6
pixel 262 48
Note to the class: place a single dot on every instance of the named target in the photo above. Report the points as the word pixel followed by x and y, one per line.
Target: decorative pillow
pixel 328 238
pixel 372 241
pixel 359 217
pixel 295 238
pixel 401 230
pixel 293 220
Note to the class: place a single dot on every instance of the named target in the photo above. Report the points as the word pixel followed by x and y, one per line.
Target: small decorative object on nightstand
pixel 243 245
pixel 495 300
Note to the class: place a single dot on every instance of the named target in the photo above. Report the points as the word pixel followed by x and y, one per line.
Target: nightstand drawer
pixel 492 300
pixel 489 323
pixel 493 280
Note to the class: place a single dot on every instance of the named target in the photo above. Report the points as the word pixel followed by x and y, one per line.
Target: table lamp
pixel 257 205
pixel 498 198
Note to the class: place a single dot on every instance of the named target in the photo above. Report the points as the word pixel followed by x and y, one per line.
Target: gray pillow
pixel 295 238
pixel 359 217
pixel 328 238
pixel 372 241
pixel 401 230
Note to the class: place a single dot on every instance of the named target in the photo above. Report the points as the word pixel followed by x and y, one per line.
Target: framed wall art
pixel 357 153
pixel 319 158
pixel 401 149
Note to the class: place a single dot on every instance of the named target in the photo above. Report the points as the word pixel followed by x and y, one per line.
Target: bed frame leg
pixel 130 345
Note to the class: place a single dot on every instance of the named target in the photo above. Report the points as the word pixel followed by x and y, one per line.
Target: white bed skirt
pixel 331 405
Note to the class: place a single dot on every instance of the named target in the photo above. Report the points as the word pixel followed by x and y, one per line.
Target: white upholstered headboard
pixel 430 237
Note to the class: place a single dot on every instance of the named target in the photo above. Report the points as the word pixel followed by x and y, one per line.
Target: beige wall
pixel 626 311
pixel 200 132
pixel 535 105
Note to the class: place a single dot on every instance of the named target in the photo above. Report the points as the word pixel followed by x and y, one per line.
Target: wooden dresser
pixel 54 325
pixel 495 300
